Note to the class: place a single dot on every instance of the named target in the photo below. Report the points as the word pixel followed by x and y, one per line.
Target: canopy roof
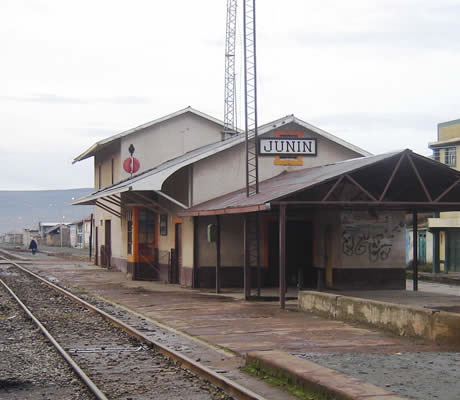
pixel 401 180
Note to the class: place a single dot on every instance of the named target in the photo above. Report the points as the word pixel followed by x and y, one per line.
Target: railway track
pixel 113 359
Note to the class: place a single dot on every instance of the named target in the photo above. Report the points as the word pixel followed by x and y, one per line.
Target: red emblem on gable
pixel 131 168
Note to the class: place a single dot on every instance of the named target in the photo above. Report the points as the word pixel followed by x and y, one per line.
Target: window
pixel 146 232
pixel 130 231
pixel 164 224
pixel 450 156
pixel 112 172
pixel 99 176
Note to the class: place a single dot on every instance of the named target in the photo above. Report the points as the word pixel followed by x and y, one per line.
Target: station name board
pixel 287 147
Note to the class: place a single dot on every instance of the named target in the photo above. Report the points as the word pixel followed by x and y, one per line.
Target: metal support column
pixel 218 258
pixel 415 257
pixel 282 252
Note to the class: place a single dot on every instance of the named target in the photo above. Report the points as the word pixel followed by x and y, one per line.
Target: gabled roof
pixel 293 119
pixel 56 227
pixel 154 178
pixel 262 129
pixel 105 142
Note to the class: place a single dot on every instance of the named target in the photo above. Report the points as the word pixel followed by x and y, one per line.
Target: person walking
pixel 33 246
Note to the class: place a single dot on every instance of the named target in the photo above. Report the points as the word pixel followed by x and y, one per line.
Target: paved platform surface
pixel 430 295
pixel 451 278
pixel 229 322
pixel 313 377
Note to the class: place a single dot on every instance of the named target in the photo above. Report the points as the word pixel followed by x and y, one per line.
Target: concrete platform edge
pixel 439 278
pixel 439 326
pixel 315 378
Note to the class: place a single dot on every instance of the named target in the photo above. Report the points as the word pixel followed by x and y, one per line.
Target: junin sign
pixel 287 146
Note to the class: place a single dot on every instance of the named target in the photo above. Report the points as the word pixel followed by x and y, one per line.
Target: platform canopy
pixel 400 180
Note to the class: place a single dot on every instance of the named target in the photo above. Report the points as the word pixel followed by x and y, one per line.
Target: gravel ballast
pixel 121 366
pixel 421 376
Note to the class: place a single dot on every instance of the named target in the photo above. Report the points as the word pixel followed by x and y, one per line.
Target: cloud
pixel 49 98
pixel 389 24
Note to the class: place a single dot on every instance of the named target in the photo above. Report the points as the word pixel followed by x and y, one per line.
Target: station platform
pixel 233 327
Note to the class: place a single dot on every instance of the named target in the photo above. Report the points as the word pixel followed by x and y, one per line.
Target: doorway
pixel 421 247
pixel 453 251
pixel 108 242
pixel 177 258
pixel 299 255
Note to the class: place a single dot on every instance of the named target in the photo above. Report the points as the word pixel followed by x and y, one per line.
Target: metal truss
pixel 229 92
pixel 250 89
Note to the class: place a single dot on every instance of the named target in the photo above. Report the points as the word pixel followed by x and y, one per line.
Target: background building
pixel 446 226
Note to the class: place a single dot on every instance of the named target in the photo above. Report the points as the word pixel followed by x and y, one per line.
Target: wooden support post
pixel 259 267
pixel 436 263
pixel 282 252
pixel 247 283
pixel 415 257
pixel 446 251
pixel 217 253
pixel 195 253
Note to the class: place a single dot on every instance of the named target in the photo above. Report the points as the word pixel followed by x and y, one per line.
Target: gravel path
pixel 421 376
pixel 120 366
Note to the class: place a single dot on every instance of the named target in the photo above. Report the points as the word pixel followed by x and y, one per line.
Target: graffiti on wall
pixel 374 238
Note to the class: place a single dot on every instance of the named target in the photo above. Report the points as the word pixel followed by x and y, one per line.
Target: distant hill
pixel 24 209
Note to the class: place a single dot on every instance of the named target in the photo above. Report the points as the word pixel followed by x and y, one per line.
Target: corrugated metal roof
pixel 286 184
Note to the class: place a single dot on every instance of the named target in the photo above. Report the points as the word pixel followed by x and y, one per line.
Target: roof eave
pixel 103 143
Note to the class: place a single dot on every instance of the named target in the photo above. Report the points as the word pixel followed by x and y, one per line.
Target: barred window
pixel 450 156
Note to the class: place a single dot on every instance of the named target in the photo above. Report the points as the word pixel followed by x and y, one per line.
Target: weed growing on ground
pixel 284 384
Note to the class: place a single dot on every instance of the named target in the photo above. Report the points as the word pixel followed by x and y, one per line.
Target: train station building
pixel 171 205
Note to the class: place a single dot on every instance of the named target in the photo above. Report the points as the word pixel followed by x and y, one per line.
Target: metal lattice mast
pixel 250 91
pixel 229 92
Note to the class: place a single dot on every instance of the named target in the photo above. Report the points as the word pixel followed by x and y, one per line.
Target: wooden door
pixel 422 247
pixel 108 242
pixel 178 250
pixel 453 251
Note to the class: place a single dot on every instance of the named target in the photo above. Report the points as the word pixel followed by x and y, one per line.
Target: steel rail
pixel 86 380
pixel 229 386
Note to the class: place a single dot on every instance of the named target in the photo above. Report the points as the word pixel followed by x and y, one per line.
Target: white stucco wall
pixel 226 171
pixel 169 139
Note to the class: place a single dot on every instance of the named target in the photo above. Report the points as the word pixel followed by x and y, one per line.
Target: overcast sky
pixel 378 73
